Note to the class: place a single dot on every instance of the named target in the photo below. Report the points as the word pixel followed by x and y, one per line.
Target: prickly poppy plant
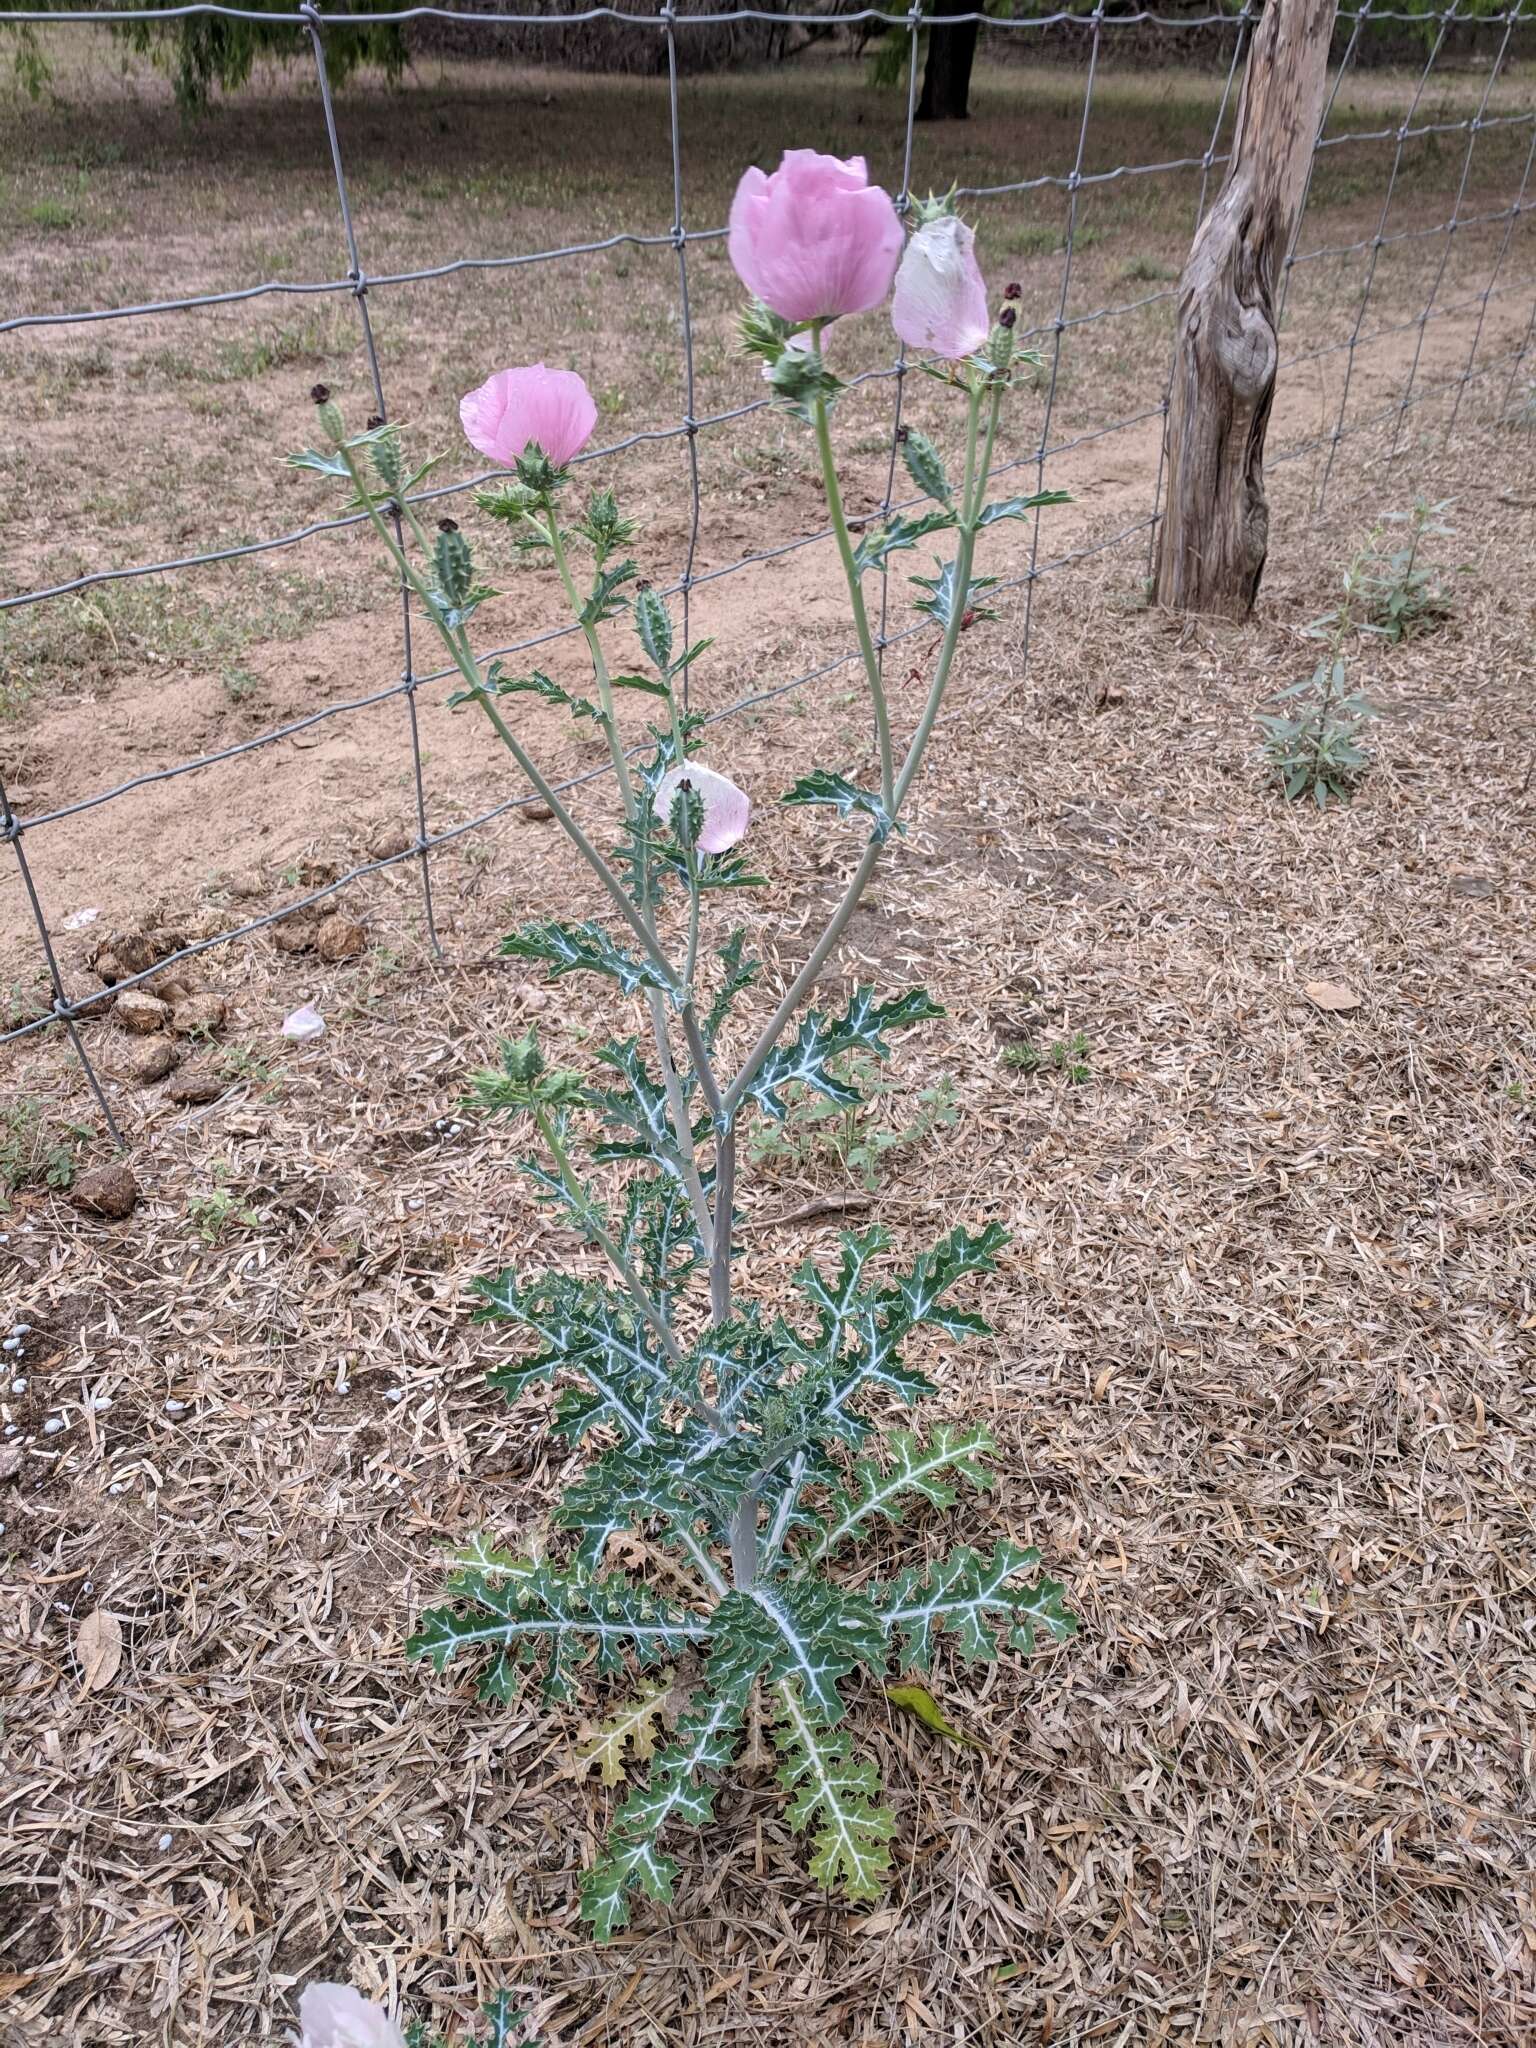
pixel 752 1450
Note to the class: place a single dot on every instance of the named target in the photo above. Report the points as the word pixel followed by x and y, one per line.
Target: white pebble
pixel 11 1344
pixel 101 1404
pixel 116 1486
pixel 22 1330
pixel 11 1428
pixel 394 1393
pixel 53 1425
pixel 166 1841
pixel 175 1407
pixel 18 1386
pixel 343 1386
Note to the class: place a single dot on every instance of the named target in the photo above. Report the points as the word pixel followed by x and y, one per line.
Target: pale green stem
pixel 855 591
pixel 970 500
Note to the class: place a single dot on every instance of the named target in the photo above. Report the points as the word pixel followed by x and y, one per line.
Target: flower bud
pixel 1013 291
pixel 320 393
pixel 375 421
pixel 1007 317
pixel 447 526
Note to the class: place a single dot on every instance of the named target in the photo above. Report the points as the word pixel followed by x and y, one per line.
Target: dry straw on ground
pixel 1262 1377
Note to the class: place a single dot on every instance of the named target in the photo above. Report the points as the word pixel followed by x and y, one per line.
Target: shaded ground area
pixel 1265 1335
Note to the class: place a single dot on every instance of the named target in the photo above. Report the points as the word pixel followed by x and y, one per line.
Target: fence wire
pixel 1096 31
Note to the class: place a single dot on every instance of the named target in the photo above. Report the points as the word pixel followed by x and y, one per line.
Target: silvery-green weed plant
pixel 717 1433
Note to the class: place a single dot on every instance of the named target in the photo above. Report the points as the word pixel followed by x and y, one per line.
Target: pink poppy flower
pixel 814 240
pixel 552 407
pixel 940 300
pixel 727 809
pixel 334 2016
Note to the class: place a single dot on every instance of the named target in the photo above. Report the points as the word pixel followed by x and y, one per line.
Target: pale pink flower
pixel 814 239
pixel 940 300
pixel 334 2016
pixel 552 407
pixel 727 809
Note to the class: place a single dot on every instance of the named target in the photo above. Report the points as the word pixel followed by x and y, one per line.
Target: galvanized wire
pixel 310 23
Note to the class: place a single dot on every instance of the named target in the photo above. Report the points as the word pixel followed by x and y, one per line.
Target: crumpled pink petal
pixel 304 1023
pixel 814 239
pixel 727 809
pixel 335 2016
pixel 940 300
pixel 516 406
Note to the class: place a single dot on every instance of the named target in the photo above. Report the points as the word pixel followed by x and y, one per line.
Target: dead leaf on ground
pixel 1331 995
pixel 99 1649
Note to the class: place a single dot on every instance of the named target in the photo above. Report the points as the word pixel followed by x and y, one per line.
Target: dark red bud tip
pixel 644 583
pixel 321 394
pixel 447 526
pixel 903 434
pixel 1007 317
pixel 1013 291
pixel 375 421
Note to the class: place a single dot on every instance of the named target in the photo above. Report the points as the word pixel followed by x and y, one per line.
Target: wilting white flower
pixel 727 809
pixel 304 1024
pixel 335 2016
pixel 940 300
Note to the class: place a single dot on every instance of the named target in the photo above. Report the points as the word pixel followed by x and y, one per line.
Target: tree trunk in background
pixel 1215 529
pixel 951 53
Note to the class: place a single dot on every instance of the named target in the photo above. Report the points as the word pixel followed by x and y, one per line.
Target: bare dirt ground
pixel 1265 1335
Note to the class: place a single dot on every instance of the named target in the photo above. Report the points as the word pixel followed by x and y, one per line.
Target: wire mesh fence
pixel 1498 273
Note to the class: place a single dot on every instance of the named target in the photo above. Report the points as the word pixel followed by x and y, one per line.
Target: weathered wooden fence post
pixel 1215 527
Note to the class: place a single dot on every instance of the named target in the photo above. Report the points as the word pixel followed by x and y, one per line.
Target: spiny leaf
pixel 646 684
pixel 537 684
pixel 740 973
pixel 803 1630
pixel 567 948
pixel 537 1611
pixel 822 1040
pixel 972 1596
pixel 915 1467
pixel 630 1735
pixel 582 1328
pixel 944 600
pixel 837 1794
pixel 604 602
pixel 641 1107
pixel 630 1858
pixel 659 1234
pixel 821 786
pixel 898 532
pixel 1015 508
pixel 653 625
pixel 917 1295
pixel 918 1701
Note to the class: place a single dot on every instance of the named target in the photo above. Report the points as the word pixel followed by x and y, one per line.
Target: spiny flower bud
pixel 1007 317
pixel 375 421
pixel 447 526
pixel 320 393
pixel 1013 291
